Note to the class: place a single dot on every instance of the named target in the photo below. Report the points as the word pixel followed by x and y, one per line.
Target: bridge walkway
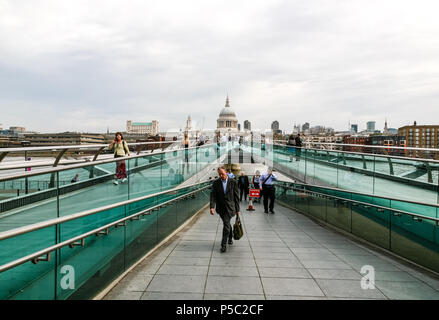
pixel 282 256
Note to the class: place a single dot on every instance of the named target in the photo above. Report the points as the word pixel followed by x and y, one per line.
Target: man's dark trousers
pixel 227 229
pixel 269 193
pixel 243 184
pixel 243 191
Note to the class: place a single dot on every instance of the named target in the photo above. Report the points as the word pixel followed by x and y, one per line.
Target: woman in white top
pixel 120 148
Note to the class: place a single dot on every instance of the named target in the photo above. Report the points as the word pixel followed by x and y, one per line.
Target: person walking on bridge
pixel 243 184
pixel 267 189
pixel 120 148
pixel 186 144
pixel 298 147
pixel 255 184
pixel 224 198
pixel 291 146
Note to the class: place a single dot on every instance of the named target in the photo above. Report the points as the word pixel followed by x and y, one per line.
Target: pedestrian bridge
pixel 282 256
pixel 336 213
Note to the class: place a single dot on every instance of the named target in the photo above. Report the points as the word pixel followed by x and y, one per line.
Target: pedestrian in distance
pixel 255 183
pixel 186 151
pixel 120 148
pixel 291 146
pixel 201 141
pixel 298 147
pixel 75 178
pixel 268 145
pixel 178 177
pixel 224 198
pixel 243 184
pixel 268 190
pixel 218 145
pixel 230 174
pixel 171 177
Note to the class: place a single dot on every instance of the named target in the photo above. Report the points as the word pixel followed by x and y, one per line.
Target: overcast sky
pixel 83 65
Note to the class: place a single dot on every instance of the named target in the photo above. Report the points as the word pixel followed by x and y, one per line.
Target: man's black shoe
pixel 266 211
pixel 230 241
pixel 223 248
pixel 271 211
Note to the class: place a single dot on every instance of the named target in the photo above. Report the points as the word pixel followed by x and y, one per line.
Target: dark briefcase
pixel 237 229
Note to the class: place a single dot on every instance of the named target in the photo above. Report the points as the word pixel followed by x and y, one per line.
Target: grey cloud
pixel 292 61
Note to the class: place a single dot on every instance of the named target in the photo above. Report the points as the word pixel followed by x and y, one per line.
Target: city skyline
pixel 198 126
pixel 324 63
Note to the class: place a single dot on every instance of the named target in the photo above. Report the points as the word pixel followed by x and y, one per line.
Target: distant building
pixel 18 129
pixel 65 138
pixel 317 130
pixel 10 138
pixel 371 126
pixel 386 129
pixel 329 131
pixel 10 133
pixel 227 121
pixel 354 128
pixel 247 125
pixel 426 136
pixel 130 137
pixel 189 123
pixel 305 126
pixel 356 139
pixel 13 132
pixel 275 125
pixel 375 140
pixel 151 128
pixel 320 139
pixel 388 140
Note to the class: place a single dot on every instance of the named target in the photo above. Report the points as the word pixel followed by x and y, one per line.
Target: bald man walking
pixel 225 199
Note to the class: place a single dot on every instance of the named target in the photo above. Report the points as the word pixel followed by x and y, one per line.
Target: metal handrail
pixel 366 146
pixel 369 195
pixel 80 146
pixel 91 163
pixel 25 164
pixel 365 203
pixel 377 196
pixel 368 154
pixel 38 164
pixel 375 146
pixel 48 223
pixel 34 256
pixel 63 149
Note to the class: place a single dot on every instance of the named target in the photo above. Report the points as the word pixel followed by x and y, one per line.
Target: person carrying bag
pixel 237 229
pixel 268 190
pixel 224 199
pixel 120 148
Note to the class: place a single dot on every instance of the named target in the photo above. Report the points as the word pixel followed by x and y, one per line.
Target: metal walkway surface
pixel 282 256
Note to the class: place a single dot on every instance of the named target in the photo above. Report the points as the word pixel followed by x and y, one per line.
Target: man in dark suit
pixel 225 198
pixel 243 184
